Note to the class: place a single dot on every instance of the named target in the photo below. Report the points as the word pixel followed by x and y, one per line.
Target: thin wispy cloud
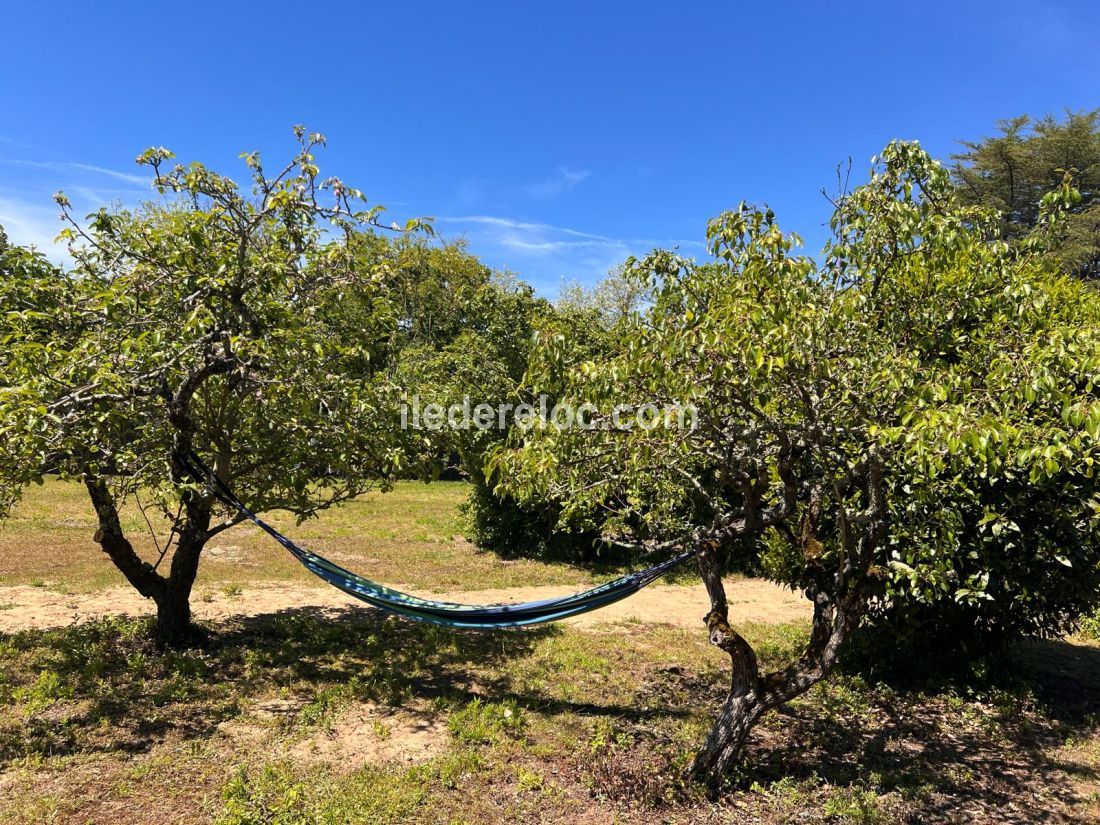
pixel 524 245
pixel 69 166
pixel 140 180
pixel 32 224
pixel 524 226
pixel 27 211
pixel 528 229
pixel 544 254
pixel 561 181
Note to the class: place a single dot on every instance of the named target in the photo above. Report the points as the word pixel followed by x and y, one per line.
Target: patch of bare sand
pixel 230 553
pixel 253 728
pixel 362 734
pixel 368 734
pixel 751 600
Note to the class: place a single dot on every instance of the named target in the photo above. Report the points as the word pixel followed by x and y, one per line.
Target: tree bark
pixel 174 625
pixel 171 593
pixel 110 537
pixel 727 738
pixel 743 705
pixel 751 693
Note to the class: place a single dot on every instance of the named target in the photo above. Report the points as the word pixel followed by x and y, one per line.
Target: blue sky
pixel 558 137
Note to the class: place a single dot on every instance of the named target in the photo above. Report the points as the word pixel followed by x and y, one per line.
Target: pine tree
pixel 1011 172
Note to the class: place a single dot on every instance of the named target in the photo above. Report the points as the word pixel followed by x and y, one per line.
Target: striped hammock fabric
pixel 479 617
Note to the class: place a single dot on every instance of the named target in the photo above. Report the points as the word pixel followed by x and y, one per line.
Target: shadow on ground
pixel 990 756
pixel 102 687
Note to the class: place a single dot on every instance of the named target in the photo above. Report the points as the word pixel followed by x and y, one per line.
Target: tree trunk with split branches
pixel 171 591
pixel 751 693
pixel 839 594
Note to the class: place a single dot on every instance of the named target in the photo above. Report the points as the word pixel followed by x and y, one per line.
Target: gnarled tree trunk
pixel 171 593
pixel 174 610
pixel 743 706
pixel 751 693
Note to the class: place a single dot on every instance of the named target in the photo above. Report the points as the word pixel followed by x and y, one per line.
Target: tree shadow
pixel 1065 676
pixel 115 692
pixel 953 758
pixel 110 689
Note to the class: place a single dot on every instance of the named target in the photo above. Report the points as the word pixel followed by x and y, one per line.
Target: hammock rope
pixel 451 614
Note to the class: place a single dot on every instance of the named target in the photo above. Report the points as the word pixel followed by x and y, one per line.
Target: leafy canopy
pixel 200 322
pixel 916 419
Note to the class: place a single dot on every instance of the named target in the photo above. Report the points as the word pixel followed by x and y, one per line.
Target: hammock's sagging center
pixel 482 617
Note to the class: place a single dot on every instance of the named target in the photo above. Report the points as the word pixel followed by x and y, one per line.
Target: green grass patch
pixel 279 794
pixel 481 722
pixel 546 724
pixel 411 536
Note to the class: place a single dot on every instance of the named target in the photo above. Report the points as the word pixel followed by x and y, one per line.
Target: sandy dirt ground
pixel 26 608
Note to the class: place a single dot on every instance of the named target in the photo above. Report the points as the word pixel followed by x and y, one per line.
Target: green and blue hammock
pixel 480 617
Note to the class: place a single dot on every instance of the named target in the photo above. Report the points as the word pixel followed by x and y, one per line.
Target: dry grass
pixel 302 718
pixel 307 716
pixel 412 536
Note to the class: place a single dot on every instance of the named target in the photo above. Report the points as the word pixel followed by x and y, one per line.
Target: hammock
pixel 481 617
